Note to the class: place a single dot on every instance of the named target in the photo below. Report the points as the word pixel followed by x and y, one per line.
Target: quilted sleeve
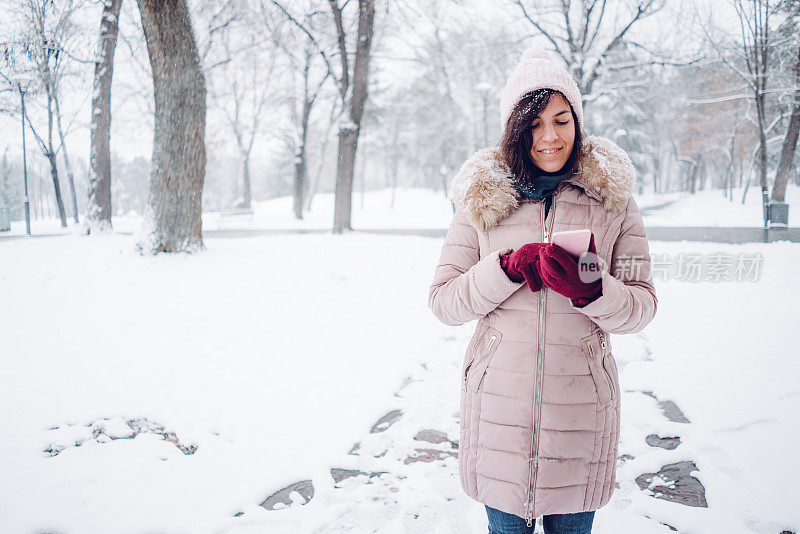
pixel 628 301
pixel 464 286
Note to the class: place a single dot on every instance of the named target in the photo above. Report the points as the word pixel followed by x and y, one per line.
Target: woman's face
pixel 553 129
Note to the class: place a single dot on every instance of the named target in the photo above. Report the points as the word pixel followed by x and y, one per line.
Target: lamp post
pixel 19 78
pixel 485 90
pixel 25 164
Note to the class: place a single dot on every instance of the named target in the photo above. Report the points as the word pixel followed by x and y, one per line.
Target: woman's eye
pixel 557 122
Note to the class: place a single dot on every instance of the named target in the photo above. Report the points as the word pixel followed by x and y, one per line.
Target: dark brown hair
pixel 515 147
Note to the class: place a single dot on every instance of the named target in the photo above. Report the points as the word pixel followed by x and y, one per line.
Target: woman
pixel 540 394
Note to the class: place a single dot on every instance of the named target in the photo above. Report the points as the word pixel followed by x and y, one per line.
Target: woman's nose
pixel 549 133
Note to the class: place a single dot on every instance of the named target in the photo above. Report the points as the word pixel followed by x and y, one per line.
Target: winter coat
pixel 540 397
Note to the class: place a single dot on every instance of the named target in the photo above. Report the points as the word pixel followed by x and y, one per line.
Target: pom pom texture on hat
pixel 537 70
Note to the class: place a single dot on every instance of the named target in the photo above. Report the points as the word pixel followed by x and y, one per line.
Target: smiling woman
pixel 540 397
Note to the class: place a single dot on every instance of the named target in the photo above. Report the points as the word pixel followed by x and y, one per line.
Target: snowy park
pixel 238 239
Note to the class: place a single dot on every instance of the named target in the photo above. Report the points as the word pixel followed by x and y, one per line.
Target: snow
pixel 709 208
pixel 274 363
pixel 218 342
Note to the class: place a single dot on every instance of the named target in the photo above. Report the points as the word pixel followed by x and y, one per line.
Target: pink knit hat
pixel 537 70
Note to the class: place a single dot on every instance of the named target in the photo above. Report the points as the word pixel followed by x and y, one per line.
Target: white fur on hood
pixel 483 188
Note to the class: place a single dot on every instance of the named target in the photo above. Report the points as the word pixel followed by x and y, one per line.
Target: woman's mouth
pixel 550 151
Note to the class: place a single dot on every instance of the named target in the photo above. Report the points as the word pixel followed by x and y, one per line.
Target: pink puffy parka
pixel 540 397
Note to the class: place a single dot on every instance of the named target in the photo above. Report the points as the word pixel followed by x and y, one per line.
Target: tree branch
pixel 310 36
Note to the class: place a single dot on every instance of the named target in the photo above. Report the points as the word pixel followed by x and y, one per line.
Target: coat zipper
pixel 603 364
pixel 529 504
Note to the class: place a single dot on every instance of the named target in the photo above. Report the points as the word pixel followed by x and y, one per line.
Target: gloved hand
pixel 523 264
pixel 559 271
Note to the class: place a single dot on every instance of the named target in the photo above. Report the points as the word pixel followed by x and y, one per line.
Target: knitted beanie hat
pixel 537 70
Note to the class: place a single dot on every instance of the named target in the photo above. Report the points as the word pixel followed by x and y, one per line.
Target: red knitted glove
pixel 523 264
pixel 559 271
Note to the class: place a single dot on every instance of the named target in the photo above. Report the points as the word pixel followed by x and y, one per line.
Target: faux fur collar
pixel 483 188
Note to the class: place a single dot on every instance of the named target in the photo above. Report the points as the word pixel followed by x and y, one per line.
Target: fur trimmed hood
pixel 483 188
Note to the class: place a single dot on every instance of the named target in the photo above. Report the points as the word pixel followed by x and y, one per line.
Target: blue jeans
pixel 503 523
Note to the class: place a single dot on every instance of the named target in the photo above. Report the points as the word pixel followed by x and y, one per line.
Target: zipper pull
pixel 591 351
pixel 529 509
pixel 602 341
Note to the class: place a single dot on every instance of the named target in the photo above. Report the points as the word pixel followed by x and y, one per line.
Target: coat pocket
pixel 609 364
pixel 483 350
pixel 592 346
pixel 470 356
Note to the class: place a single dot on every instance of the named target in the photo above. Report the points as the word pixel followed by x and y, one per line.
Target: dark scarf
pixel 546 184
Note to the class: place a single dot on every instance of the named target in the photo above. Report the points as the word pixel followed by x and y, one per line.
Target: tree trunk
pixel 395 169
pixel 693 176
pixel 349 130
pixel 348 143
pixel 789 142
pixel 300 161
pixel 179 154
pixel 67 166
pixel 762 160
pixel 62 213
pixel 362 169
pixel 299 181
pixel 247 193
pixel 321 165
pixel 51 157
pixel 731 167
pixel 98 212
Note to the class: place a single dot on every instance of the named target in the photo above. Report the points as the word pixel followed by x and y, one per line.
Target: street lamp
pixel 19 78
pixel 485 90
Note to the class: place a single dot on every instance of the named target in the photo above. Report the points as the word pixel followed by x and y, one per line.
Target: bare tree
pixel 335 113
pixel 99 209
pixel 46 42
pixel 754 24
pixel 62 135
pixel 586 36
pixel 179 157
pixel 241 89
pixel 353 99
pixel 301 123
pixel 352 83
pixel 300 51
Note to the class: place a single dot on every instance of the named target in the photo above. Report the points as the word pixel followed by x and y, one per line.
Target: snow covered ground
pixel 709 208
pixel 273 356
